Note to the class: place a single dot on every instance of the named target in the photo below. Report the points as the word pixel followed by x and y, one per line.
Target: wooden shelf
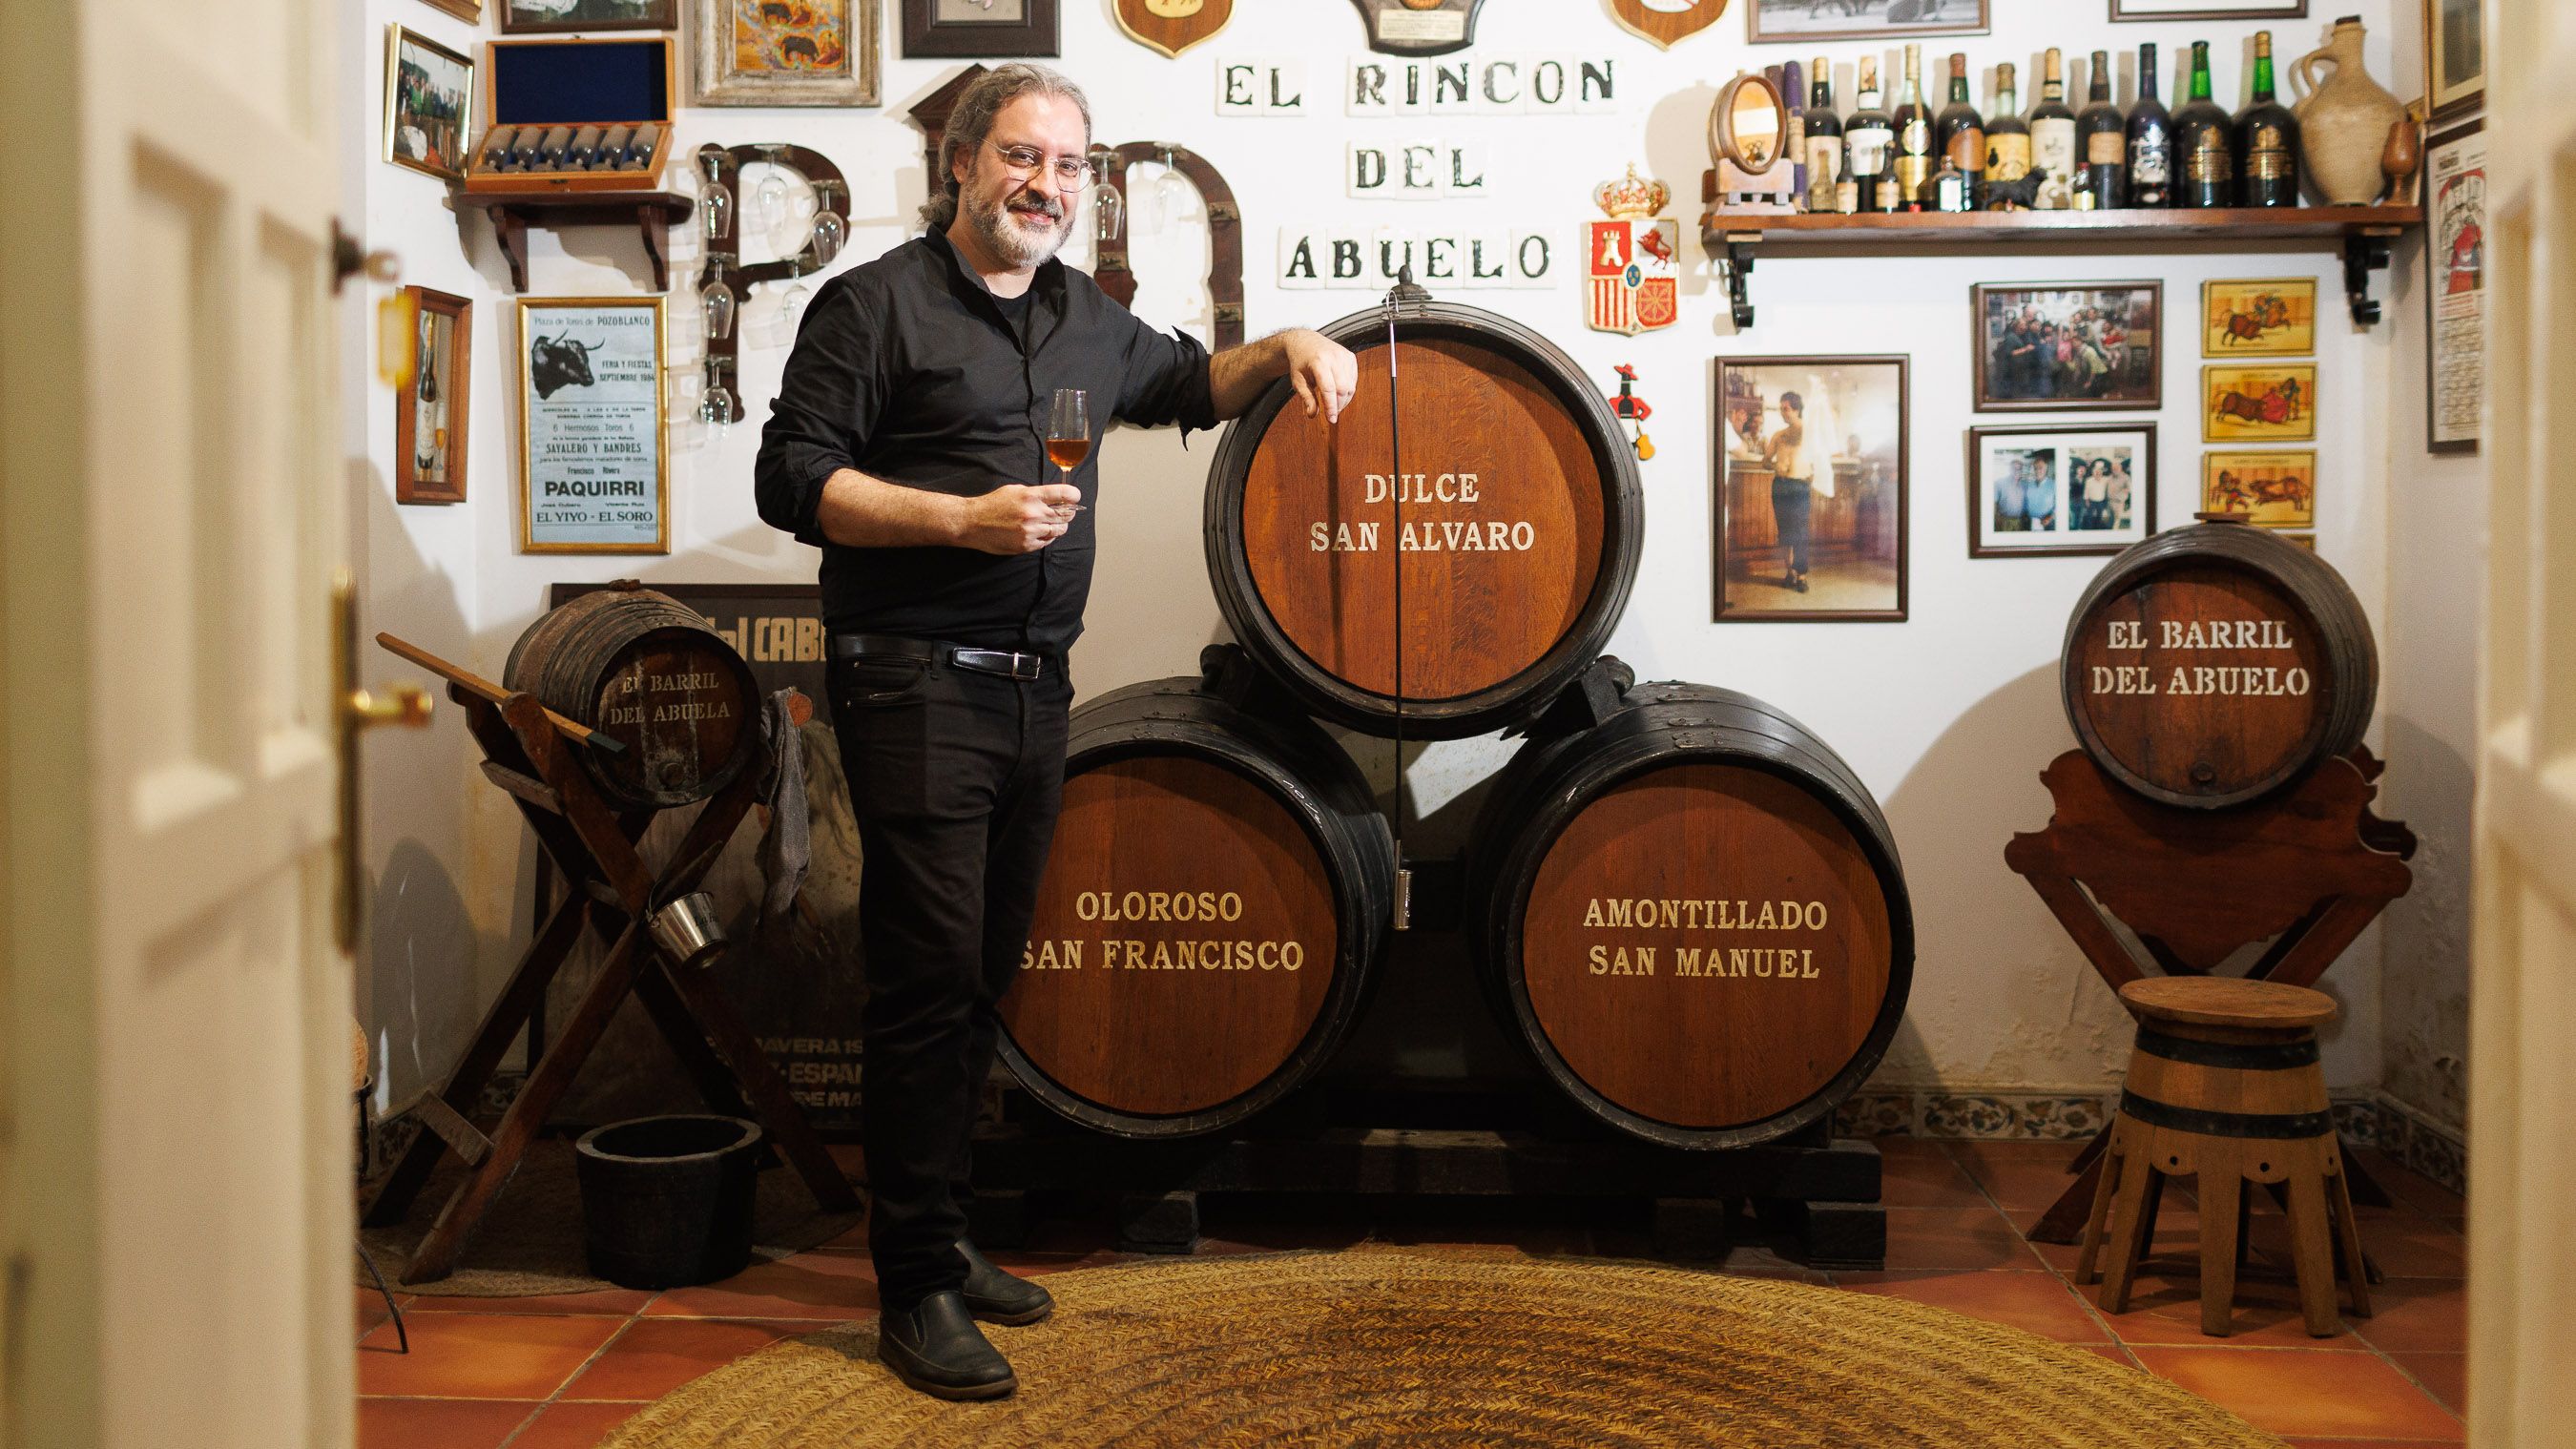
pixel 652 213
pixel 2361 233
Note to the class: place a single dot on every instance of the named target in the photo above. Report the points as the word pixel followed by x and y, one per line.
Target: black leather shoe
pixel 998 1297
pixel 935 1347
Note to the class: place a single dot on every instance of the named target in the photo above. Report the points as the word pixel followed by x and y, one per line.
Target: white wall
pixel 1949 717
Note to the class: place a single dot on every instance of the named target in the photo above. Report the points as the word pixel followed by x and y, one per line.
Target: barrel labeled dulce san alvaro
pixel 1515 517
pixel 2212 665
pixel 1217 892
pixel 649 672
pixel 1693 914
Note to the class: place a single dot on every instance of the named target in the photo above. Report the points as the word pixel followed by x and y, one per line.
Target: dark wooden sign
pixel 1420 27
pixel 1666 21
pixel 1173 26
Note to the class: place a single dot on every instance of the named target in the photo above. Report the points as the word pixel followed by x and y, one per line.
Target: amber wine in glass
pixel 1069 431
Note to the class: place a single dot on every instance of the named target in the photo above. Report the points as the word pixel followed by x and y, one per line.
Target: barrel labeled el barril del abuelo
pixel 1692 912
pixel 1218 891
pixel 2212 665
pixel 649 672
pixel 1509 499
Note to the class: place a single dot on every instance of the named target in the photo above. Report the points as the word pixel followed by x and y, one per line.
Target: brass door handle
pixel 355 710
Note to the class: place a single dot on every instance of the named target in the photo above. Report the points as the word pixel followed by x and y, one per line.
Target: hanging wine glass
pixel 715 199
pixel 769 199
pixel 792 305
pixel 717 303
pixel 1110 210
pixel 715 406
pixel 1172 194
pixel 829 231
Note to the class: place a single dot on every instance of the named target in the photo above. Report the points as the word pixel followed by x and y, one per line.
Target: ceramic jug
pixel 2343 122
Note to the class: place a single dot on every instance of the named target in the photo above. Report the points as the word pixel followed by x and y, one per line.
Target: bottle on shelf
pixel 1824 132
pixel 2204 143
pixel 1960 134
pixel 1868 137
pixel 2052 137
pixel 2007 143
pixel 1914 149
pixel 2101 141
pixel 2267 140
pixel 2150 138
pixel 1793 133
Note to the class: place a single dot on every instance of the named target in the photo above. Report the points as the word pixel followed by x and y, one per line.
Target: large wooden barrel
pixel 647 671
pixel 1521 524
pixel 1693 914
pixel 2212 665
pixel 1219 888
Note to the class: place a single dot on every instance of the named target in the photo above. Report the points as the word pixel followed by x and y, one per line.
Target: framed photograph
pixel 539 17
pixel 594 472
pixel 2048 346
pixel 1812 489
pixel 2455 57
pixel 2276 488
pixel 429 98
pixel 2204 10
pixel 978 29
pixel 2068 488
pixel 2455 294
pixel 2258 317
pixel 763 53
pixel 2258 403
pixel 429 415
pixel 466 10
pixel 1785 20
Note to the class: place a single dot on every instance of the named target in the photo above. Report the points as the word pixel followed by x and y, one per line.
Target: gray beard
pixel 1007 240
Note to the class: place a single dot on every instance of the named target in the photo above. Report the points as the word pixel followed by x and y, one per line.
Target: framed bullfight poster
pixel 594 468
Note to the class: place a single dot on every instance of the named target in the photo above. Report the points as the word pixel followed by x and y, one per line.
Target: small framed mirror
pixel 1748 123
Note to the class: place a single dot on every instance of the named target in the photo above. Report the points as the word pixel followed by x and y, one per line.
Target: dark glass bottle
pixel 2052 137
pixel 2007 143
pixel 1914 150
pixel 1960 134
pixel 2204 143
pixel 1824 139
pixel 1868 137
pixel 2267 140
pixel 2150 139
pixel 2101 141
pixel 1793 133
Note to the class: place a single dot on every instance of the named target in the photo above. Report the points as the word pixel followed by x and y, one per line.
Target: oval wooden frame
pixel 1721 122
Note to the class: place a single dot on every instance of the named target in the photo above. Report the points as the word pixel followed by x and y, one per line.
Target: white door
pixel 2522 1151
pixel 178 1220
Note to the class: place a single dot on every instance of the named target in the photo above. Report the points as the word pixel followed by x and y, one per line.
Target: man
pixel 908 441
pixel 1793 481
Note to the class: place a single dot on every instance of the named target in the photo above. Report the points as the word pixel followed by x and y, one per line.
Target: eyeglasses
pixel 1071 172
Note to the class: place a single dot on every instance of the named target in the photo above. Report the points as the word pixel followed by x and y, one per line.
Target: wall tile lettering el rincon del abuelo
pixel 1375 87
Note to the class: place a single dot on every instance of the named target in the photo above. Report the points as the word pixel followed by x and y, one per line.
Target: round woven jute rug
pixel 530 1241
pixel 1391 1347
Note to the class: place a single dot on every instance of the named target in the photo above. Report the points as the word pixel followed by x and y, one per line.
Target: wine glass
pixel 1110 210
pixel 792 305
pixel 830 231
pixel 769 199
pixel 715 406
pixel 1069 436
pixel 715 199
pixel 717 303
pixel 1172 194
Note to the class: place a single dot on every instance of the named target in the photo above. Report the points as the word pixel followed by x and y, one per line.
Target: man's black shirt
pixel 907 369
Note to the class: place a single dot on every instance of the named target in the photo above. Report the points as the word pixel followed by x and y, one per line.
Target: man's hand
pixel 1323 371
pixel 1017 518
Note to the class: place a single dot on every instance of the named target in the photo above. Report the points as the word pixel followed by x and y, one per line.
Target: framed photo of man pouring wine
pixel 1811 489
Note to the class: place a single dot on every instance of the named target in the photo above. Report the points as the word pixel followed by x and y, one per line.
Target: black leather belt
pixel 1007 663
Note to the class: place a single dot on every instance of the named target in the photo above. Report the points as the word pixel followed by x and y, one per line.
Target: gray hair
pixel 972 122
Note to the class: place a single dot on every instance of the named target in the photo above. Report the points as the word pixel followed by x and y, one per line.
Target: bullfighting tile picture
pixel 2258 317
pixel 2258 403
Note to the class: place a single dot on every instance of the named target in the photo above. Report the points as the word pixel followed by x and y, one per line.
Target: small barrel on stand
pixel 646 670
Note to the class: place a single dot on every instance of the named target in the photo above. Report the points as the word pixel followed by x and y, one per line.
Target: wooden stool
pixel 2224 1086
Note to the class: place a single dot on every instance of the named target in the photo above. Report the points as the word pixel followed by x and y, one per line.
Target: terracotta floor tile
pixel 1954 1238
pixel 606 1302
pixel 438 1423
pixel 371 1309
pixel 657 1355
pixel 2417 1315
pixel 2164 1308
pixel 2306 1391
pixel 2177 1238
pixel 573 1426
pixel 2019 1174
pixel 2038 1303
pixel 481 1355
pixel 2413 1191
pixel 809 1285
pixel 2403 1247
pixel 1924 1176
pixel 2446 1375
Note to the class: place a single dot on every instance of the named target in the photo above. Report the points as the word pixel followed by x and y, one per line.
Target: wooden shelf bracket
pixel 1735 268
pixel 2364 251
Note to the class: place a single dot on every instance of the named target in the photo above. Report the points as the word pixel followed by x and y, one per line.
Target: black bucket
pixel 666 1201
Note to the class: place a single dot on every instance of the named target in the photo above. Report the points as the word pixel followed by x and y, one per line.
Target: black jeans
pixel 956 779
pixel 1792 500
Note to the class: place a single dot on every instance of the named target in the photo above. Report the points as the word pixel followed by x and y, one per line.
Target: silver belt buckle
pixel 1026 666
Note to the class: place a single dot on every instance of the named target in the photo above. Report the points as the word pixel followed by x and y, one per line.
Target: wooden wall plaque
pixel 1172 26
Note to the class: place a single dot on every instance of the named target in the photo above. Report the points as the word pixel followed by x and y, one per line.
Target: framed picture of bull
pixel 1811 503
pixel 430 410
pixel 2055 490
pixel 784 53
pixel 594 469
pixel 2258 403
pixel 967 29
pixel 2097 346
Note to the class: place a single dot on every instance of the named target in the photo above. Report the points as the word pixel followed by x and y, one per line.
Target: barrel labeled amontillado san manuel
pixel 1692 912
pixel 2212 665
pixel 1515 517
pixel 1218 891
pixel 648 671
